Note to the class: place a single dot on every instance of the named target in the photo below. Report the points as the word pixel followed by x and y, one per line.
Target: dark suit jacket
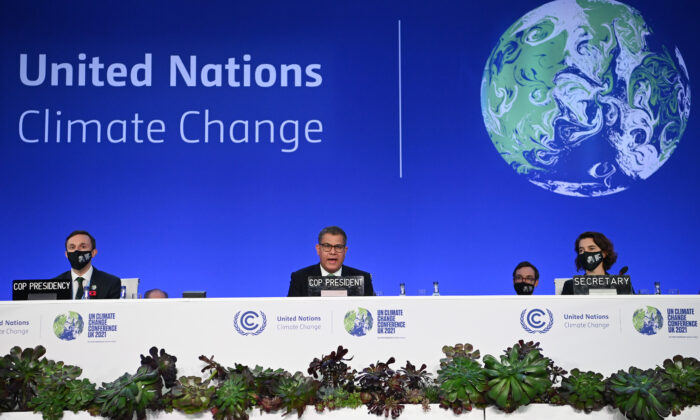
pixel 106 285
pixel 299 285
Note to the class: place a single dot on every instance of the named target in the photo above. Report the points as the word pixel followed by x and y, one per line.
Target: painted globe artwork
pixel 580 97
pixel 68 326
pixel 648 321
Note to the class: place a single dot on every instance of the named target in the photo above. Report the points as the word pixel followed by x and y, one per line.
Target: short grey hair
pixel 332 230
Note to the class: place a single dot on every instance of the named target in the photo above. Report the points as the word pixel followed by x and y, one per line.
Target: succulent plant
pixel 640 394
pixel 684 373
pixel 432 393
pixel 583 390
pixel 339 398
pixel 130 394
pixel 389 406
pixel 297 391
pixel 463 382
pixel 459 350
pixel 555 372
pixel 516 381
pixel 385 391
pixel 233 399
pixel 64 394
pixel 265 381
pixel 417 396
pixel 21 372
pixel 332 370
pixel 218 372
pixel 163 363
pixel 415 378
pixel 192 395
pixel 372 379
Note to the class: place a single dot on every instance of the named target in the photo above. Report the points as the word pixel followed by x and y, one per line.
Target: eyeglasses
pixel 328 247
pixel 526 278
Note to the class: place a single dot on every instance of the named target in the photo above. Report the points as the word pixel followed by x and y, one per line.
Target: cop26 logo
pixel 536 320
pixel 250 322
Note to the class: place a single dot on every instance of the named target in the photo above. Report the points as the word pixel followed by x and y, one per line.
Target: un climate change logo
pixel 68 326
pixel 648 320
pixel 250 322
pixel 358 322
pixel 536 320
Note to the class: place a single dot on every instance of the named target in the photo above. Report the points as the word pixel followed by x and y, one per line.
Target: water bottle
pixel 657 288
pixel 436 291
pixel 402 289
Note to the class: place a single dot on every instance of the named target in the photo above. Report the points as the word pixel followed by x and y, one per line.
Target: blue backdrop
pixel 410 174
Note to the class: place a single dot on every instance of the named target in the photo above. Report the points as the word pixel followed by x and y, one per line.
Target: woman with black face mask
pixel 595 255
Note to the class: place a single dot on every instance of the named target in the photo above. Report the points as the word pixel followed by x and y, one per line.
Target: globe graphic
pixel 68 326
pixel 648 320
pixel 579 97
pixel 358 322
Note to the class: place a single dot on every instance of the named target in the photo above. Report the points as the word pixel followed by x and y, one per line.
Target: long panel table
pixel 105 338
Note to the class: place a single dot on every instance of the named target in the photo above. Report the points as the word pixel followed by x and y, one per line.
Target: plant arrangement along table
pixel 521 376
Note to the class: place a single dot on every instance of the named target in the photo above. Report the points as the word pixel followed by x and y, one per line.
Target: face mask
pixel 590 260
pixel 523 288
pixel 79 259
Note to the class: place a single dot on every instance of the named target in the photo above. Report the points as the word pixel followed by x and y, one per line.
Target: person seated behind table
pixel 525 278
pixel 595 255
pixel 331 249
pixel 80 250
pixel 155 294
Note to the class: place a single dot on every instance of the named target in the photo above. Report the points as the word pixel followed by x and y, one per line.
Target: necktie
pixel 79 292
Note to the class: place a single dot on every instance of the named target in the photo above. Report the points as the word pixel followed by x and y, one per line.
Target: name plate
pixel 621 284
pixel 335 285
pixel 41 289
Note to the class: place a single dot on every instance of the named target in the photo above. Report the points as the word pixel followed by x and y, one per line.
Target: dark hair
pixel 333 230
pixel 603 243
pixel 149 292
pixel 81 232
pixel 527 264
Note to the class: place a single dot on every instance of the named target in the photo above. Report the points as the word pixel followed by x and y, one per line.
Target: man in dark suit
pixel 80 250
pixel 331 249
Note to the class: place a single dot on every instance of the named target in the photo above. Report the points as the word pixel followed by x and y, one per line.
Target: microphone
pixel 623 270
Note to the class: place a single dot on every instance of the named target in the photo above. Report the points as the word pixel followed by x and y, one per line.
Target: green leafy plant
pixel 684 373
pixel 64 394
pixel 640 394
pixel 233 399
pixel 297 391
pixel 513 381
pixel 555 373
pixel 461 378
pixel 583 390
pixel 265 382
pixel 130 394
pixel 192 395
pixel 21 372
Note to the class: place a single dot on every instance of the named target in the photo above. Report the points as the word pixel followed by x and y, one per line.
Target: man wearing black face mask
pixel 525 278
pixel 88 282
